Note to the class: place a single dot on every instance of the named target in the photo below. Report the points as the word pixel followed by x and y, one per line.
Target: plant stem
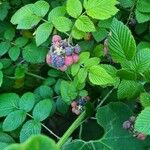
pixel 71 129
pixel 80 131
pixel 51 132
pixel 68 76
pixel 34 75
pixel 103 100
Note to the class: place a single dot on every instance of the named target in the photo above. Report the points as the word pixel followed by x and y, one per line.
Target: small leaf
pixel 142 122
pixel 84 24
pixel 100 9
pixel 14 120
pixel 8 103
pixel 77 34
pixel 62 24
pixel 14 53
pixel 9 34
pixel 42 110
pixel 74 8
pixel 43 32
pixel 4 47
pixel 74 69
pixel 92 62
pixel 31 127
pixel 99 76
pixel 84 56
pixel 27 101
pixel 145 99
pixel 82 74
pixel 56 12
pixel 21 41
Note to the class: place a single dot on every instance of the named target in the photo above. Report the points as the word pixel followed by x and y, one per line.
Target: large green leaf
pixel 62 24
pixel 42 109
pixel 43 32
pixel 31 127
pixel 84 24
pixel 142 123
pixel 14 120
pixel 27 101
pixel 99 76
pixel 74 8
pixel 129 89
pixel 100 9
pixel 8 103
pixel 121 42
pixel 115 137
pixel 36 142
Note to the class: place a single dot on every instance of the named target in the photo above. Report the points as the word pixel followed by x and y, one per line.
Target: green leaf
pixel 129 89
pixel 43 32
pixel 100 9
pixel 100 34
pixel 8 103
pixel 4 7
pixel 126 74
pixel 142 122
pixel 4 47
pixel 145 99
pixel 142 17
pixel 27 101
pixel 74 8
pixel 74 69
pixel 82 75
pixel 56 12
pixel 99 76
pixel 42 110
pixel 40 8
pixel 83 23
pixel 21 41
pixel 9 34
pixel 114 137
pixel 77 34
pixel 43 92
pixel 33 54
pixel 92 62
pixel 143 6
pixel 68 91
pixel 1 78
pixel 14 53
pixel 14 120
pixel 62 24
pixel 84 56
pixel 31 127
pixel 121 43
pixel 126 3
pixel 31 144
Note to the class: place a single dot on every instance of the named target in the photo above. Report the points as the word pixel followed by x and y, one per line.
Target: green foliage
pixel 43 143
pixel 113 65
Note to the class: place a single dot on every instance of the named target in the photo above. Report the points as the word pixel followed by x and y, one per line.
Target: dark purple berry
pixel 77 49
pixel 68 51
pixel 81 102
pixel 57 61
pixel 64 44
pixel 127 124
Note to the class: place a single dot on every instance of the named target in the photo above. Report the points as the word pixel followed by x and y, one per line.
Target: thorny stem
pixel 77 123
pixel 51 132
pixel 131 11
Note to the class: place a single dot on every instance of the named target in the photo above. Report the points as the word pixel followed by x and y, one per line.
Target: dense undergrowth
pixel 74 74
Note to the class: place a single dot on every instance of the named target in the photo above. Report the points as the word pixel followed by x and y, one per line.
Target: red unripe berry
pixel 74 104
pixel 75 58
pixel 68 60
pixel 48 59
pixel 141 136
pixel 63 68
pixel 56 38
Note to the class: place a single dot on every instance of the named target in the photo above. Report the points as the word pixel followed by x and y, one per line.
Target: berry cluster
pixel 78 105
pixel 62 54
pixel 129 125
